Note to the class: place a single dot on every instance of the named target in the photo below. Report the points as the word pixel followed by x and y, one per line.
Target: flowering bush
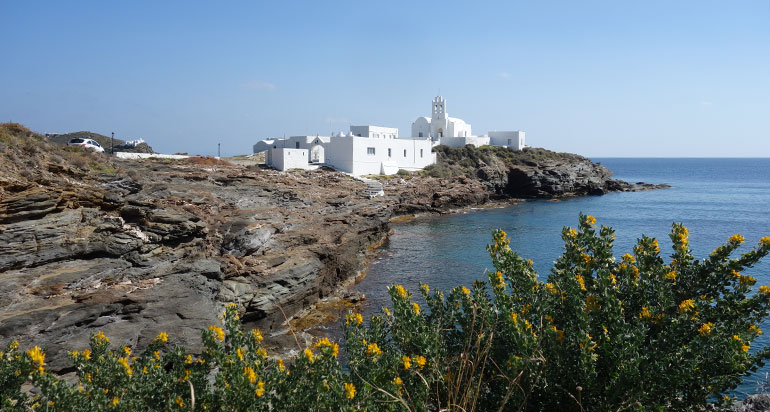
pixel 599 334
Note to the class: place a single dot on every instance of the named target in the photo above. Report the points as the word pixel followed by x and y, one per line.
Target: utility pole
pixel 112 143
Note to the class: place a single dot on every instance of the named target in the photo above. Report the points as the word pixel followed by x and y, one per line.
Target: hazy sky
pixel 598 78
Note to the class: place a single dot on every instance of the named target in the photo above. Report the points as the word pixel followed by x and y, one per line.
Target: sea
pixel 713 197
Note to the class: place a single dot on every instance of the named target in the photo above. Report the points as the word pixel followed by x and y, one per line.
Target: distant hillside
pixel 103 140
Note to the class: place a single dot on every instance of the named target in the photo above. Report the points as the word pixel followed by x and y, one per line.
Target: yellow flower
pixel 162 337
pixel 425 288
pixel 250 375
pixel 636 272
pixel 465 290
pixel 37 356
pixel 581 282
pixel 260 389
pixel 613 279
pixel 400 291
pixel 572 232
pixel 126 350
pixel 239 353
pixel 115 401
pixel 527 324
pixel 645 313
pixel 325 343
pixel 350 390
pixel 586 258
pixel 736 274
pixel 530 262
pixel 407 362
pixel 515 317
pixel 179 401
pixel 384 309
pixel 655 245
pixel 281 366
pixel 124 363
pixel 604 328
pixel 736 238
pixel 748 280
pixel 14 345
pixel 765 241
pixel 628 258
pixel 592 303
pixel 686 306
pixel 309 355
pixel 156 355
pixel 671 275
pixel 219 334
pixel 101 338
pixel 74 354
pixel 373 350
pixel 397 380
pixel 745 348
pixel 755 329
pixel 420 361
pixel 256 334
pixel 551 288
pixel 591 220
pixel 736 337
pixel 705 329
pixel 416 308
pixel 764 290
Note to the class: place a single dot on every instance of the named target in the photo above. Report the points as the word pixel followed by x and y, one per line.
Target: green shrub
pixel 599 335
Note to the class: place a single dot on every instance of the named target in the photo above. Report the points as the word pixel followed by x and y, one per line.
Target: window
pixel 370 150
pixel 388 152
pixel 404 152
pixel 420 152
pixel 419 134
pixel 510 141
pixel 297 144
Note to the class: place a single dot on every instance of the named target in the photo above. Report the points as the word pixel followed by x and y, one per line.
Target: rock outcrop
pixel 530 173
pixel 133 248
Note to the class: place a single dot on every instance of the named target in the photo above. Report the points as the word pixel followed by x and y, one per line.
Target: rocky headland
pixel 136 247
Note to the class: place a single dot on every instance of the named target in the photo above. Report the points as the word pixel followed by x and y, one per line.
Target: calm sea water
pixel 714 198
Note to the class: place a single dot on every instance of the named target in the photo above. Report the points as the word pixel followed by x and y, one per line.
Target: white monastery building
pixel 371 150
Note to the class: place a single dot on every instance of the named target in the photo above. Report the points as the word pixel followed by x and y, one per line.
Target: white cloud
pixel 258 85
pixel 505 75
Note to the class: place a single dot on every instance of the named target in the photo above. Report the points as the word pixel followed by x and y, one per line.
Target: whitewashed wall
pixel 512 139
pixel 287 159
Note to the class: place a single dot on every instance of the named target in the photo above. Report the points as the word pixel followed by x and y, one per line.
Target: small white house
pixel 283 158
pixel 512 139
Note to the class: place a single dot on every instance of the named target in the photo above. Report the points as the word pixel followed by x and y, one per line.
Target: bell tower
pixel 439 108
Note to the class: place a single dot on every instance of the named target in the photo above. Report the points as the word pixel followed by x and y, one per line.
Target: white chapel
pixel 368 150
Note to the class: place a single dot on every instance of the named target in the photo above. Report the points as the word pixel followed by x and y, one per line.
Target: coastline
pixel 137 247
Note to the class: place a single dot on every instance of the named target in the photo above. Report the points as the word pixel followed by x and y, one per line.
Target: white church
pixel 370 150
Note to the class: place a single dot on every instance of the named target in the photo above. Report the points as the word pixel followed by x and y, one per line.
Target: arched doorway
pixel 317 154
pixel 440 132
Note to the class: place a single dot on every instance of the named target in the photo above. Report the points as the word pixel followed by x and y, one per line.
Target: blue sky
pixel 598 78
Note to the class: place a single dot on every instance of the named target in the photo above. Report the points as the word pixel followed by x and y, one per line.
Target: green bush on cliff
pixel 599 334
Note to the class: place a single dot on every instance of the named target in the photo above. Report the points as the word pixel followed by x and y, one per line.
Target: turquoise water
pixel 714 198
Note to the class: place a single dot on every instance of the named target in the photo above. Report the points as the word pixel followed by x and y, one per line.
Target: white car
pixel 86 143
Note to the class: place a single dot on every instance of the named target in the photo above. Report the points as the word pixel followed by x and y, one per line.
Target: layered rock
pixel 134 248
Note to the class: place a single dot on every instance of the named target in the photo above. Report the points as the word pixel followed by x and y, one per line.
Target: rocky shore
pixel 133 248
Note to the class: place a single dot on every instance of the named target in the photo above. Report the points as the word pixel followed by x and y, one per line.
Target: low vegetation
pixel 28 156
pixel 599 334
pixel 465 161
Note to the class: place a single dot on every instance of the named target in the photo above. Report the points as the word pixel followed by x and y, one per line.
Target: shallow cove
pixel 714 198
